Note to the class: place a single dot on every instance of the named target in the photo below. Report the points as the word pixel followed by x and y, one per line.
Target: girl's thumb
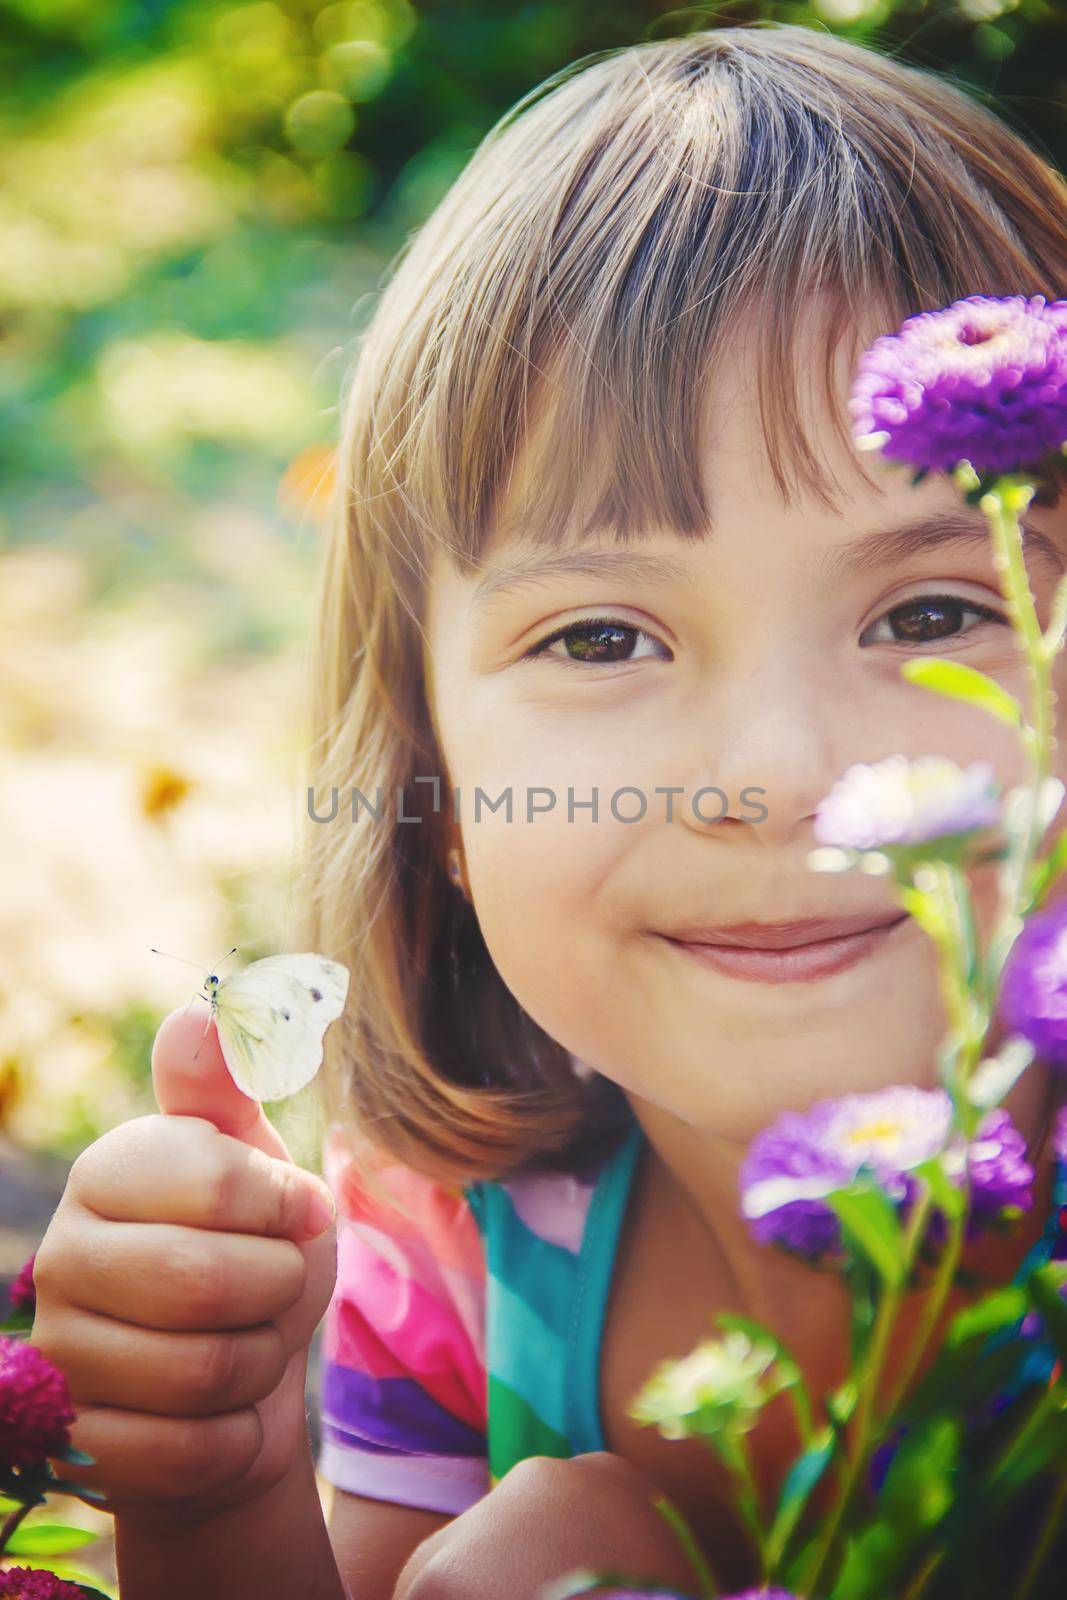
pixel 191 1079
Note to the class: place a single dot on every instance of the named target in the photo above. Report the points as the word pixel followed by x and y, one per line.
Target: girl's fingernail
pixel 322 1207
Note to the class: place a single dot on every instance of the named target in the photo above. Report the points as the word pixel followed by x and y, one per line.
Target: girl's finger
pixel 108 1363
pixel 183 1170
pixel 191 1079
pixel 156 1275
pixel 142 1459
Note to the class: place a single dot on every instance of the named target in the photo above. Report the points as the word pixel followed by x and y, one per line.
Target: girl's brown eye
pixel 932 619
pixel 596 641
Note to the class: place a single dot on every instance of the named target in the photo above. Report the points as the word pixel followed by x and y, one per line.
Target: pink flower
pixel 23 1293
pixel 29 1583
pixel 35 1407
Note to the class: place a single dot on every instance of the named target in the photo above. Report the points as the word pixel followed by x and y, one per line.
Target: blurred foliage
pixel 194 193
pixel 198 199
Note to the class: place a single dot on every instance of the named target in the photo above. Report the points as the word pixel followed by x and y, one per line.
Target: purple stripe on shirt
pixel 396 1412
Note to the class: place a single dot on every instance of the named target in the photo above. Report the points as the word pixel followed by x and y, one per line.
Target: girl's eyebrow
pixel 938 531
pixel 918 536
pixel 527 570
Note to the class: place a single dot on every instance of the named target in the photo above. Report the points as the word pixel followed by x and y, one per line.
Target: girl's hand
pixel 178 1286
pixel 547 1517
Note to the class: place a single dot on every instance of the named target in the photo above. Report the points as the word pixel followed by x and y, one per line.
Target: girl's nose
pixel 777 739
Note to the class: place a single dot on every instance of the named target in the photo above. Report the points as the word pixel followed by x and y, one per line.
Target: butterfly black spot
pixel 316 994
pixel 285 1014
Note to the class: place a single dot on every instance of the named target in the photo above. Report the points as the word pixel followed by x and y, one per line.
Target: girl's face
pixel 767 659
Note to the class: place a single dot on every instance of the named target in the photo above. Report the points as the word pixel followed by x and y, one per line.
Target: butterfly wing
pixel 272 1017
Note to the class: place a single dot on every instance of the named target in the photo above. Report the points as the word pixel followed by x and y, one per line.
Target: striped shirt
pixel 464 1332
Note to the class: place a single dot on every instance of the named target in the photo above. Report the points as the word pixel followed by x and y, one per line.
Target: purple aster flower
pixel 803 1157
pixel 23 1292
pixel 1033 990
pixel 35 1406
pixel 903 802
pixel 983 380
pixel 29 1583
pixel 1059 1134
pixel 1000 1174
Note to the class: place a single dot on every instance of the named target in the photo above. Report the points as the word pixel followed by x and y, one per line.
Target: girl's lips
pixel 797 964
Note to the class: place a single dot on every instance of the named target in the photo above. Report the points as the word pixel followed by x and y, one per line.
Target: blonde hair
pixel 604 239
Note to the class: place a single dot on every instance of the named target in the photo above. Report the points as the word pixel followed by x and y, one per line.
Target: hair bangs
pixel 713 184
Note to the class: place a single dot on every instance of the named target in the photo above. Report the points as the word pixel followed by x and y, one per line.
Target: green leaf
pixel 80 1490
pixel 995 1311
pixel 840 1404
pixel 1044 873
pixel 945 1195
pixel 1042 1288
pixel 871 1560
pixel 924 908
pixel 959 682
pixel 918 1487
pixel 17 1322
pixel 1040 1442
pixel 47 1539
pixel 869 1220
pixel 800 1480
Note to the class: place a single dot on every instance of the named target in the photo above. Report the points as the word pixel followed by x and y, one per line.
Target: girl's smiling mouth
pixel 798 952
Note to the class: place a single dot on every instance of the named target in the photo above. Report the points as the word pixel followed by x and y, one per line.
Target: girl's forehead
pixel 732 448
pixel 846 495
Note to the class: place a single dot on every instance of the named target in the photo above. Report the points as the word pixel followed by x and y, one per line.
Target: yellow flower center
pixel 884 1130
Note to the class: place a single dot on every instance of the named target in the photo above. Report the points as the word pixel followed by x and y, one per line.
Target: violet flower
pixel 1033 990
pixel 984 380
pixel 793 1165
pixel 899 801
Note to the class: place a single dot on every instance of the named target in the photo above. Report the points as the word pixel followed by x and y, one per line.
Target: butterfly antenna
pixel 231 952
pixel 169 957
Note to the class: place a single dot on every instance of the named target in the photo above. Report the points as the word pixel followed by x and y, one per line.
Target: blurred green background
pixel 197 201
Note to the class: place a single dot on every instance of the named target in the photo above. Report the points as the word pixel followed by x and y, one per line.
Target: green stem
pixel 1050 1525
pixel 740 1463
pixel 687 1539
pixel 924 1574
pixel 1033 1420
pixel 1038 651
pixel 12 1523
pixel 1053 636
pixel 932 1308
pixel 865 1437
pixel 876 1354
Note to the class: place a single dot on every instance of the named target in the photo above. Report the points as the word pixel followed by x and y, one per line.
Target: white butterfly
pixel 271 1019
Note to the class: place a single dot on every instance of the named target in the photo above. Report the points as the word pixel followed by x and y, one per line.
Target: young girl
pixel 612 605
